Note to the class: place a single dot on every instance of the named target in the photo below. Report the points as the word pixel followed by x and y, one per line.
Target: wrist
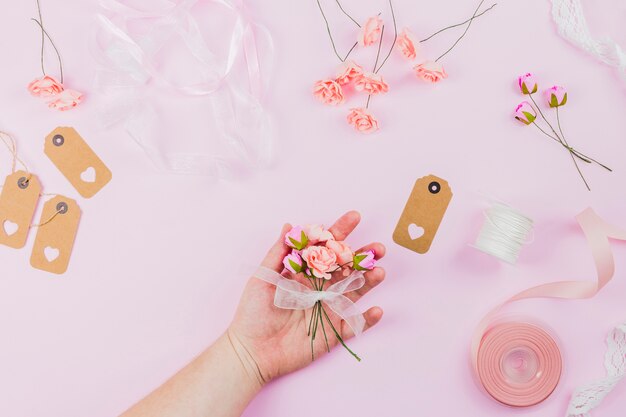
pixel 244 361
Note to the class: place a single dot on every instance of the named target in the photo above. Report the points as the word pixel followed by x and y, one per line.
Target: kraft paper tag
pixel 423 213
pixel 55 235
pixel 18 202
pixel 77 161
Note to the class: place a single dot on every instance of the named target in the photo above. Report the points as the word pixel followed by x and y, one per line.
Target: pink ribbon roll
pixel 519 364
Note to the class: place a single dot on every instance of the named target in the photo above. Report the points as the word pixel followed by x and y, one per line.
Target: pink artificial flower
pixel 556 96
pixel 348 72
pixel 364 261
pixel 430 71
pixel 66 100
pixel 342 251
pixel 45 86
pixel 328 92
pixel 370 31
pixel 293 262
pixel 317 233
pixel 527 83
pixel 296 238
pixel 525 113
pixel 371 83
pixel 320 260
pixel 362 120
pixel 408 45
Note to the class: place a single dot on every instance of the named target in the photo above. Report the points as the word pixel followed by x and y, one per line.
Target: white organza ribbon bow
pixel 292 295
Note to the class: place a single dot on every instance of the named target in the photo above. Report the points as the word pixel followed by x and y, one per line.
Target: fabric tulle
pixel 163 60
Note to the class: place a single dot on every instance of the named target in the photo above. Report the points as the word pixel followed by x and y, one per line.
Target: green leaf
pixel 553 101
pixel 529 117
pixel 295 266
pixel 564 99
pixel 524 89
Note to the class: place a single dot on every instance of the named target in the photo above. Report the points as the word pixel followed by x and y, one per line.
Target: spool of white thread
pixel 504 232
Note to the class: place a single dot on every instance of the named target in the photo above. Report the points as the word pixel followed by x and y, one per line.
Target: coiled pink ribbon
pixel 490 344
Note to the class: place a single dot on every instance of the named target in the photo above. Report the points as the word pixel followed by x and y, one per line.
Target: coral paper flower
pixel 293 262
pixel 320 260
pixel 370 31
pixel 525 113
pixel 66 100
pixel 527 83
pixel 407 44
pixel 328 92
pixel 371 83
pixel 317 233
pixel 362 120
pixel 296 238
pixel 45 86
pixel 364 261
pixel 342 251
pixel 556 96
pixel 348 72
pixel 430 71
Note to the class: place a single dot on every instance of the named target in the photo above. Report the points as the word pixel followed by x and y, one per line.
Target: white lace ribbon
pixel 589 396
pixel 572 25
pixel 292 295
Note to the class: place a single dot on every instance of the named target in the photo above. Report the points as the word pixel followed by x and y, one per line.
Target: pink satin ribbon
pixel 489 345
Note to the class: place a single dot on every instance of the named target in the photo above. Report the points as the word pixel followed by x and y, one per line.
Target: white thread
pixel 504 232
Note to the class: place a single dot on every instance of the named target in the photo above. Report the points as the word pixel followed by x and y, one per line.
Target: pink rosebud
pixel 364 261
pixel 45 86
pixel 527 83
pixel 66 100
pixel 407 43
pixel 293 262
pixel 342 251
pixel 320 260
pixel 525 113
pixel 296 238
pixel 370 31
pixel 430 71
pixel 362 120
pixel 371 83
pixel 328 92
pixel 556 96
pixel 348 72
pixel 317 233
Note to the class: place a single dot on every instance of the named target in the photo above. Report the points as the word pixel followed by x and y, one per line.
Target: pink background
pixel 155 276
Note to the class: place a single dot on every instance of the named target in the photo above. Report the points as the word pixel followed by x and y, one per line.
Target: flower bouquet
pixel 317 256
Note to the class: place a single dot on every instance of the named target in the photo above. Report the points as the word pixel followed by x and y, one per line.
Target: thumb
pixel 276 254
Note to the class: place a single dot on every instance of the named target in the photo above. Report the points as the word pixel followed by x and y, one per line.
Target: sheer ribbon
pixel 129 69
pixel 292 295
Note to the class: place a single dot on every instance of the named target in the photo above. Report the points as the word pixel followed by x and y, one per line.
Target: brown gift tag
pixel 423 213
pixel 55 235
pixel 18 202
pixel 77 161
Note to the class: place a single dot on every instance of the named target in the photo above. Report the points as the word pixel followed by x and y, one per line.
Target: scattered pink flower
pixel 320 260
pixel 407 44
pixel 430 71
pixel 342 251
pixel 45 86
pixel 371 83
pixel 370 31
pixel 317 233
pixel 362 120
pixel 296 238
pixel 348 72
pixel 364 261
pixel 527 83
pixel 525 113
pixel 556 96
pixel 293 262
pixel 66 100
pixel 328 92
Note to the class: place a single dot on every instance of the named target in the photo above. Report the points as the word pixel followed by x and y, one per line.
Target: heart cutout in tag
pixel 9 227
pixel 415 231
pixel 51 253
pixel 88 175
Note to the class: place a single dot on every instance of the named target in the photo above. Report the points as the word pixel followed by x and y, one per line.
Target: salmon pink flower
pixel 430 71
pixel 320 260
pixel 328 92
pixel 342 251
pixel 45 86
pixel 370 31
pixel 371 83
pixel 362 120
pixel 525 113
pixel 407 44
pixel 317 233
pixel 66 100
pixel 348 72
